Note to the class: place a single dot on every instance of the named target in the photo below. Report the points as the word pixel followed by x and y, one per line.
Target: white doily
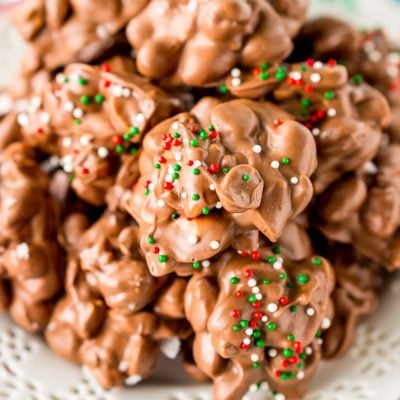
pixel 371 370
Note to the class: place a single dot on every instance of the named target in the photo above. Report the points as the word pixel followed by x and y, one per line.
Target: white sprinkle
pixel 212 186
pixel 184 195
pixel 315 77
pixel 60 78
pixel 160 203
pixel 272 307
pixel 133 380
pixel 318 65
pixel 249 331
pixel 22 250
pixel 192 239
pixel 175 125
pixel 332 112
pixel 254 358
pixel 218 205
pixel 126 92
pixel 102 32
pixel 205 264
pixel 272 353
pixel 251 282
pixel 320 341
pixel 197 163
pixel 296 75
pixel 236 82
pixel 123 366
pixel 326 323
pixel 214 244
pixel 275 164
pixel 280 396
pixel 36 101
pixel 22 119
pixel 370 168
pixel 310 311
pixel 392 71
pixel 308 350
pixel 171 347
pixel 277 265
pixel 264 318
pixel 246 341
pixel 254 387
pixel 44 118
pixel 77 113
pixel 169 178
pixel 151 186
pixel 300 375
pixel 117 90
pixel 69 106
pixel 68 168
pixel 74 76
pixel 257 148
pixel 85 140
pixel 316 131
pixel 140 118
pixel 375 56
pixel 236 72
pixel 67 142
pixel 259 296
pixel 294 180
pixel 255 289
pixel 264 386
pixel 102 152
pixel 178 156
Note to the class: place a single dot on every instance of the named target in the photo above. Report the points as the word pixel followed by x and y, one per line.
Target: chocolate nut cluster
pixel 214 180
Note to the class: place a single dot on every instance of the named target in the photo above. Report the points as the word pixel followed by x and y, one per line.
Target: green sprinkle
pixel 223 89
pixel 134 130
pixel 211 127
pixel 283 275
pixel 287 353
pixel 203 135
pixel 256 365
pixel 285 160
pixel 293 309
pixel 318 334
pixel 244 323
pixel 99 98
pixel 195 171
pixel 176 135
pixel 266 281
pixel 284 376
pixel 277 249
pixel 271 259
pixel 300 365
pixel 85 99
pixel 317 261
pixel 290 285
pixel 252 298
pixel 303 68
pixel 225 170
pixel 205 210
pixel 265 66
pixel 133 150
pixel 271 326
pixel 329 95
pixel 303 355
pixel 82 81
pixel 194 142
pixel 302 279
pixel 195 197
pixel 120 148
pixel 174 215
pixel 358 79
pixel 291 337
pixel 305 102
pixel 235 280
pixel 175 175
pixel 147 192
pixel 162 258
pixel 246 177
pixel 303 112
pixel 281 74
pixel 127 136
pixel 157 166
pixel 151 240
pixel 264 75
pixel 236 328
pixel 260 343
pixel 257 333
pixel 196 265
pixel 177 167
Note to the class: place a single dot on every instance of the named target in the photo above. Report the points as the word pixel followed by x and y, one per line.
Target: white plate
pixel 29 371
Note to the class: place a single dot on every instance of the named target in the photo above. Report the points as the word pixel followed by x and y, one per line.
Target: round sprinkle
pixel 160 203
pixel 194 142
pixel 151 240
pixel 294 180
pixel 318 65
pixel 257 149
pixel 271 326
pixel 85 99
pixel 195 171
pixel 316 131
pixel 317 261
pixel 277 265
pixel 192 239
pixel 99 98
pixel 102 152
pixel 77 113
pixel 162 258
pixel 310 311
pixel 331 112
pixel 272 307
pixel 246 177
pixel 326 323
pixel 195 197
pixel 272 353
pixel 300 375
pixel 214 244
pixel 254 358
pixel 252 282
pixel 218 205
pixel 249 331
pixel 302 279
pixel 236 82
pixel 69 106
pixel 275 164
pixel 236 72
pixel 205 264
pixel 246 341
pixel 235 280
pixel 212 187
pixel 315 77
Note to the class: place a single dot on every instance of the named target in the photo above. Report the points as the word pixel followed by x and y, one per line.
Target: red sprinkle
pixel 255 255
pixel 278 122
pixel 244 346
pixel 310 62
pixel 253 323
pixel 293 360
pixel 193 128
pixel 190 163
pixel 156 250
pixel 256 71
pixel 284 300
pixel 298 347
pixel 257 304
pixel 332 62
pixel 285 363
pixel 213 168
pixel 248 273
pixel 106 67
pixel 239 293
pixel 85 171
pixel 277 373
pixel 309 89
pixel 257 315
pixel 107 84
pixel 168 186
pixel 213 134
pixel 235 313
pixel 117 139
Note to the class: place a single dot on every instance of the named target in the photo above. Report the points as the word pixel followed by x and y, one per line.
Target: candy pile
pixel 214 180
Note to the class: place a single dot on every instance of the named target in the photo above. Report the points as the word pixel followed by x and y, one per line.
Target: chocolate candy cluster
pixel 217 179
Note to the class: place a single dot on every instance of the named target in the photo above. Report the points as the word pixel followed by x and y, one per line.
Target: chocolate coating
pixel 249 171
pixel 31 259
